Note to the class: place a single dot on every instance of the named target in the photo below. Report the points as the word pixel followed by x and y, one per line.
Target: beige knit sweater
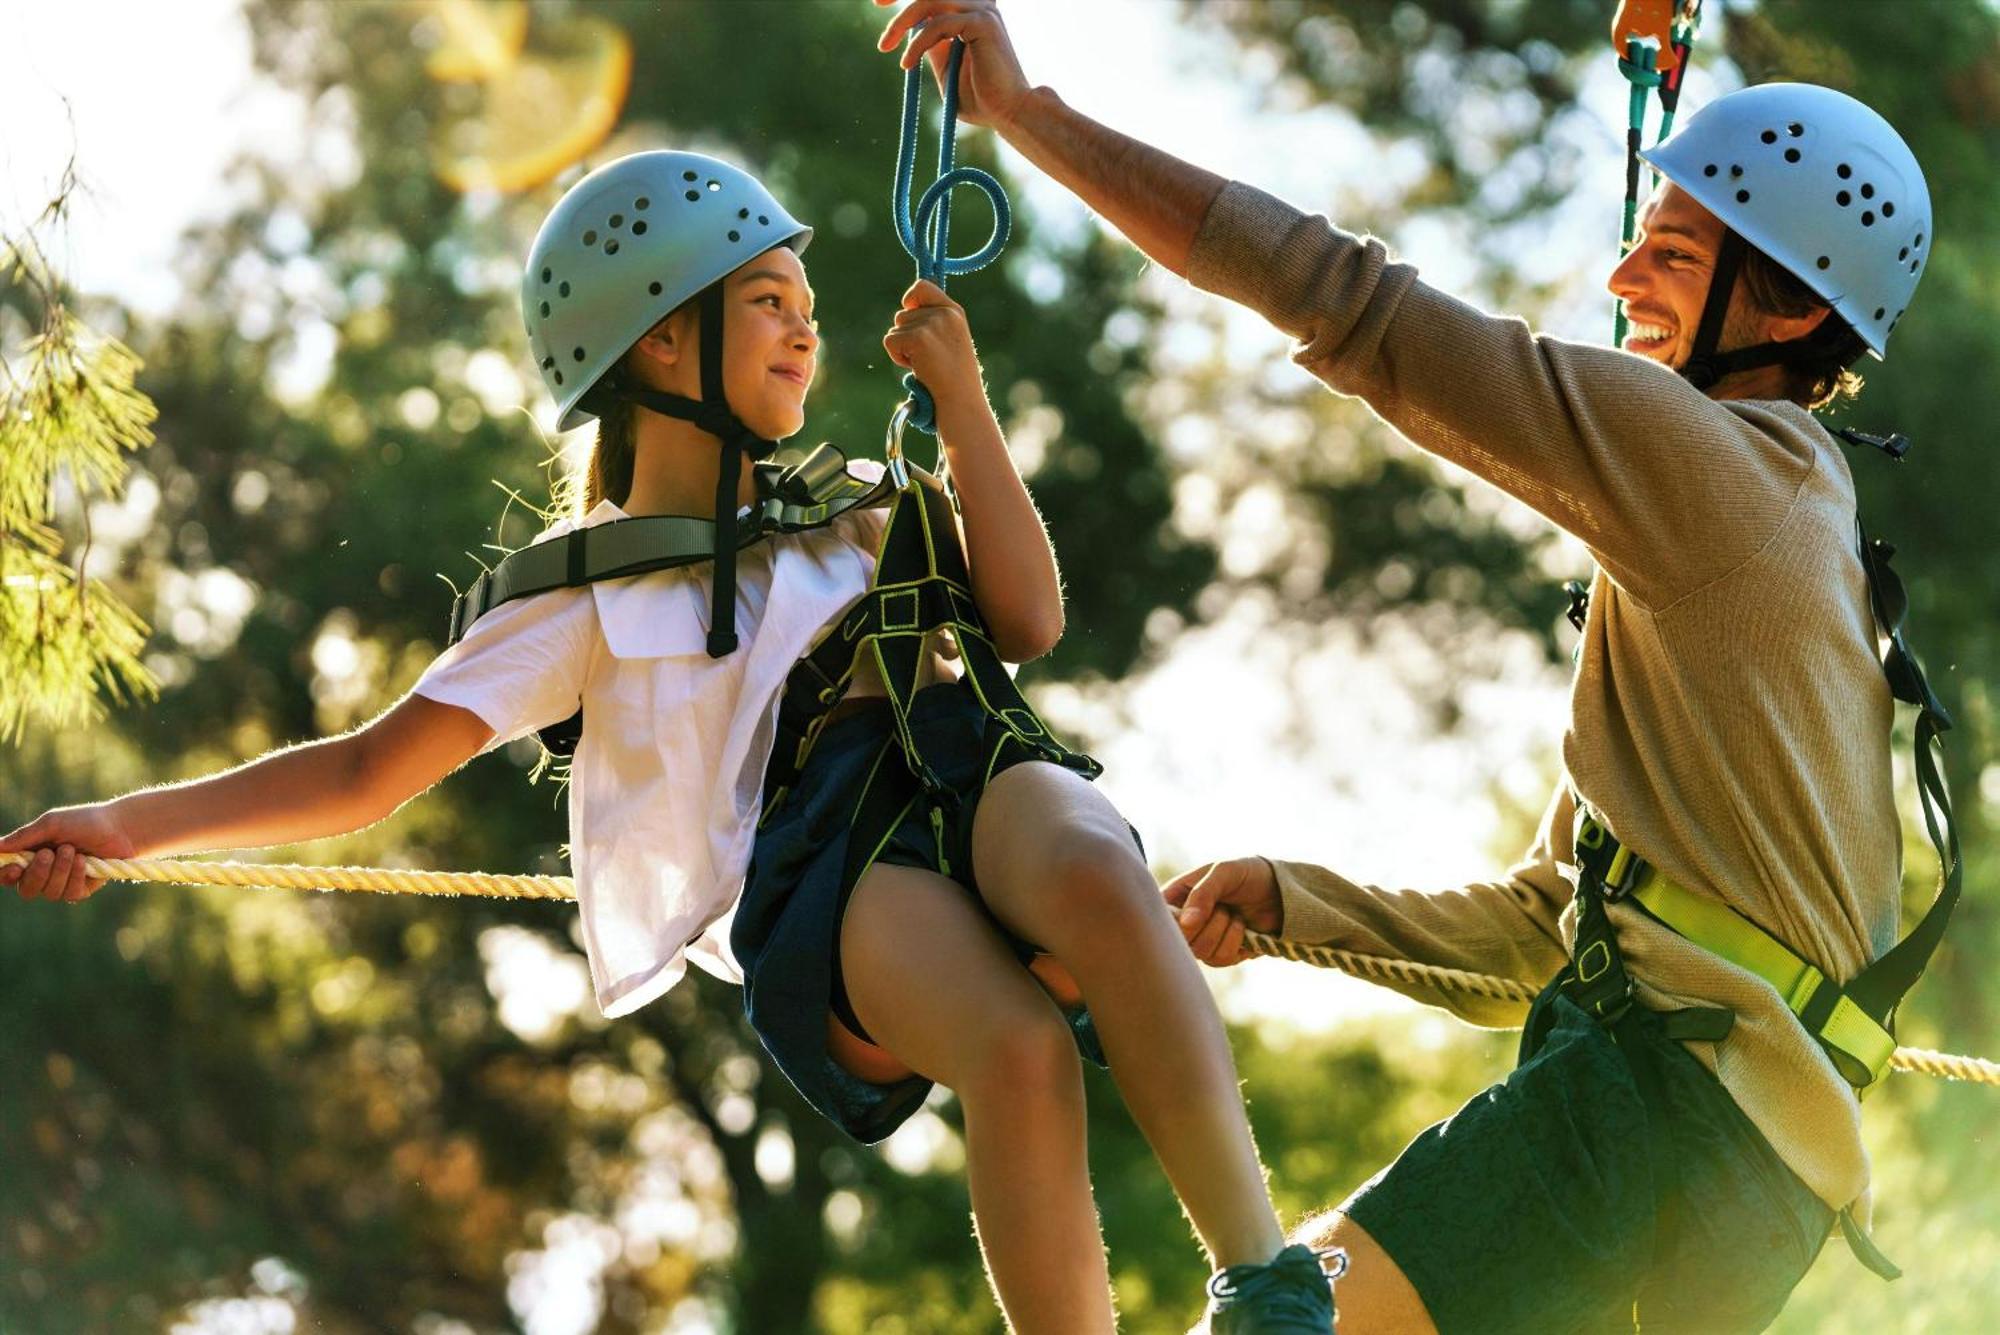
pixel 1729 717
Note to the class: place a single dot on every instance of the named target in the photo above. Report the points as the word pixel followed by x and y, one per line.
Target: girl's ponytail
pixel 608 470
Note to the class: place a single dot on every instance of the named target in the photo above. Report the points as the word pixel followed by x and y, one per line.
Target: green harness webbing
pixel 921 589
pixel 809 494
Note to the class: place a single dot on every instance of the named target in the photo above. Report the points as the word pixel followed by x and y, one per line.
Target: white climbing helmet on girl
pixel 628 244
pixel 1821 184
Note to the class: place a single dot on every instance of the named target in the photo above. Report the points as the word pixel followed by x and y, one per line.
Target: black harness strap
pixel 809 494
pixel 921 589
pixel 1879 988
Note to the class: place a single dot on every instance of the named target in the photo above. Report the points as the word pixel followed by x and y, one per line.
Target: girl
pixel 665 294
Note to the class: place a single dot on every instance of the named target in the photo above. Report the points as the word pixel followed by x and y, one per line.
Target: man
pixel 1677 1142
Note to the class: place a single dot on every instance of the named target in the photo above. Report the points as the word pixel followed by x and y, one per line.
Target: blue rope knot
pixel 927 237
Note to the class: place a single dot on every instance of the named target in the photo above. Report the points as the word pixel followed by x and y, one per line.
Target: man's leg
pixel 1374 1295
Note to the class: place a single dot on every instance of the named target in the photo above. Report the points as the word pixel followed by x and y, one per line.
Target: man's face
pixel 1663 279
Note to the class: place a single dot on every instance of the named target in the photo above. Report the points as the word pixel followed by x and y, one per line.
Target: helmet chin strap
pixel 712 414
pixel 1705 366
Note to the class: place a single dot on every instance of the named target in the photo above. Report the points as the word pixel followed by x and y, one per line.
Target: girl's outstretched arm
pixel 1013 568
pixel 309 791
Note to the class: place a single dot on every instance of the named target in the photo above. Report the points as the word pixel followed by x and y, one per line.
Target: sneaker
pixel 1291 1294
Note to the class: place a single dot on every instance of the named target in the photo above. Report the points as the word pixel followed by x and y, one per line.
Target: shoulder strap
pixel 1879 988
pixel 809 494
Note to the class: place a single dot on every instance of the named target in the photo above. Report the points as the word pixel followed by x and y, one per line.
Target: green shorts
pixel 1582 1194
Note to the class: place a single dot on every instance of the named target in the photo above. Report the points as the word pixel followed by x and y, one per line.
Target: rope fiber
pixel 390 880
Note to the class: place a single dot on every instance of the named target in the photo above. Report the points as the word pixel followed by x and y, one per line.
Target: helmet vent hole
pixel 642 203
pixel 547 274
pixel 1843 199
pixel 714 186
pixel 639 227
pixel 693 195
pixel 1795 130
pixel 564 289
pixel 1880 312
pixel 1824 262
pixel 763 221
pixel 1868 219
pixel 1742 196
pixel 617 220
pixel 687 176
pixel 611 247
pixel 1913 265
pixel 1920 239
pixel 548 363
pixel 558 377
pixel 590 238
pixel 1844 171
pixel 545 310
pixel 1769 136
pixel 735 236
pixel 1888 209
pixel 1867 190
pixel 742 213
pixel 1902 254
pixel 577 353
pixel 653 288
pixel 1735 169
pixel 1709 170
pixel 1791 155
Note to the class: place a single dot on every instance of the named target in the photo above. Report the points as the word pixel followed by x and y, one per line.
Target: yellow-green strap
pixel 1859 1046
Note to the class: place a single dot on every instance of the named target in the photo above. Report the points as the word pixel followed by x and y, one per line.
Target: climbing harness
pixel 921 590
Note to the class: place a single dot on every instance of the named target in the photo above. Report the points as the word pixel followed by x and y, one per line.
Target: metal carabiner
pixel 892 446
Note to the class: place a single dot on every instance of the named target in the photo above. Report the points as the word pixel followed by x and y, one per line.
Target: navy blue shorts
pixel 1582 1194
pixel 787 929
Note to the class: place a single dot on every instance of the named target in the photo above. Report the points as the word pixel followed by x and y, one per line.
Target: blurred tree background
pixel 358 1113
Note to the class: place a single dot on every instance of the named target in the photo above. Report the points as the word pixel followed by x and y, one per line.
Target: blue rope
pixel 932 222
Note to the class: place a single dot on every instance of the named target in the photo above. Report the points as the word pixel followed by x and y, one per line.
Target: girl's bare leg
pixel 939 989
pixel 1057 864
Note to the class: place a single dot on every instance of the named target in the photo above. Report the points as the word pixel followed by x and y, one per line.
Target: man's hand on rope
pixel 990 81
pixel 1216 903
pixel 60 840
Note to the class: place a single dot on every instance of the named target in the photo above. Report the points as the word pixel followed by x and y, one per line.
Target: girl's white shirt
pixel 666 784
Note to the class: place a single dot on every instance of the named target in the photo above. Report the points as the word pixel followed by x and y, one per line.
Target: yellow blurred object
pixel 543 112
pixel 481 38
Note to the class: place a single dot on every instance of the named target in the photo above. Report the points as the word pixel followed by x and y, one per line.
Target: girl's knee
pixel 1099 879
pixel 1021 1060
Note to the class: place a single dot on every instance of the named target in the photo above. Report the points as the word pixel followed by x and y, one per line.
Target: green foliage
pixel 69 409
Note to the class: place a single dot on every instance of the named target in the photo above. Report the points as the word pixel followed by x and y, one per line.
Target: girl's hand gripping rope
pixel 1215 903
pixel 58 841
pixel 930 336
pixel 990 81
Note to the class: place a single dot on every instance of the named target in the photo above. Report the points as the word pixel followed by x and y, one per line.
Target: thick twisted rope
pixel 388 880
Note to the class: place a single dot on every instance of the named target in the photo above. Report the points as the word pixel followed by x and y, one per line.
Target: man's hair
pixel 1824 376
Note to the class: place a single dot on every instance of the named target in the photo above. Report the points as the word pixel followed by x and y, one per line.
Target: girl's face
pixel 770 349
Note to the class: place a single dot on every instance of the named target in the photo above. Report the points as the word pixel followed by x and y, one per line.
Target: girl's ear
pixel 664 344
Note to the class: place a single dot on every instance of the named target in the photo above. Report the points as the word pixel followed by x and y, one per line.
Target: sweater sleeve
pixel 1668 488
pixel 1510 927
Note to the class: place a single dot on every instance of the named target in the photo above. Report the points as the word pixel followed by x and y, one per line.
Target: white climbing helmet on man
pixel 1821 184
